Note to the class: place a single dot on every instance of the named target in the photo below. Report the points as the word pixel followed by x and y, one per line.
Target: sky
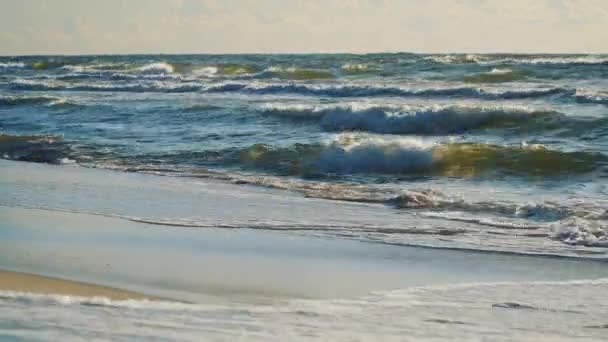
pixel 302 26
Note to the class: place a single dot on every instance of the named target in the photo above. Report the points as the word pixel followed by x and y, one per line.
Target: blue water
pixel 509 143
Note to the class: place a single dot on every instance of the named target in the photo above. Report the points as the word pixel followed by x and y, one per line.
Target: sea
pixel 485 153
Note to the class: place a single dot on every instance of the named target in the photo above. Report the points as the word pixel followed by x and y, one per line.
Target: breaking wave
pixel 358 68
pixel 354 154
pixel 12 65
pixel 417 120
pixel 519 59
pixel 391 91
pixel 158 67
pixel 496 76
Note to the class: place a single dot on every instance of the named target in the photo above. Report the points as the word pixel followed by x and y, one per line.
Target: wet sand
pixel 30 283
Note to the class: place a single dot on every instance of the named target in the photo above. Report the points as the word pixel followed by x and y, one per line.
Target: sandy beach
pixel 31 283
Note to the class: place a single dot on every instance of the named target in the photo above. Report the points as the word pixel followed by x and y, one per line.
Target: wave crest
pixel 352 90
pixel 157 67
pixel 12 65
pixel 415 120
pixel 355 153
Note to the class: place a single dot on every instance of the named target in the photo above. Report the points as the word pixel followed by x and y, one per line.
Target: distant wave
pixel 358 68
pixel 150 86
pixel 26 100
pixel 495 76
pixel 12 65
pixel 457 59
pixel 330 90
pixel 392 91
pixel 157 67
pixel 417 120
pixel 574 60
pixel 295 73
pixel 523 59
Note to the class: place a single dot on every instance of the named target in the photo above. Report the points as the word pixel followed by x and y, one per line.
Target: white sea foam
pixel 582 231
pixel 351 153
pixel 560 60
pixel 498 71
pixel 207 71
pixel 11 65
pixel 158 67
pixel 457 59
pixel 357 67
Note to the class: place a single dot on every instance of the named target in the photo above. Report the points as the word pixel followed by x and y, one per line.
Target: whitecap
pixel 157 67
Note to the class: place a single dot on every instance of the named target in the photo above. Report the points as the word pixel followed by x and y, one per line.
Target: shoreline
pixel 38 284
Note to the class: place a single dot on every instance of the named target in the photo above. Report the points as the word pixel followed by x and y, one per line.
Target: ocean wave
pixel 39 149
pixel 593 97
pixel 48 64
pixel 457 59
pixel 294 73
pixel 27 100
pixel 96 67
pixel 361 154
pixel 238 69
pixel 206 71
pixel 358 68
pixel 417 120
pixel 389 91
pixel 353 154
pixel 225 70
pixel 12 65
pixel 105 76
pixel 157 67
pixel 496 76
pixel 574 60
pixel 142 86
pixel 521 59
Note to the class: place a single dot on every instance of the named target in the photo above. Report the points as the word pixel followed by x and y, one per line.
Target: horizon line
pixel 296 53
